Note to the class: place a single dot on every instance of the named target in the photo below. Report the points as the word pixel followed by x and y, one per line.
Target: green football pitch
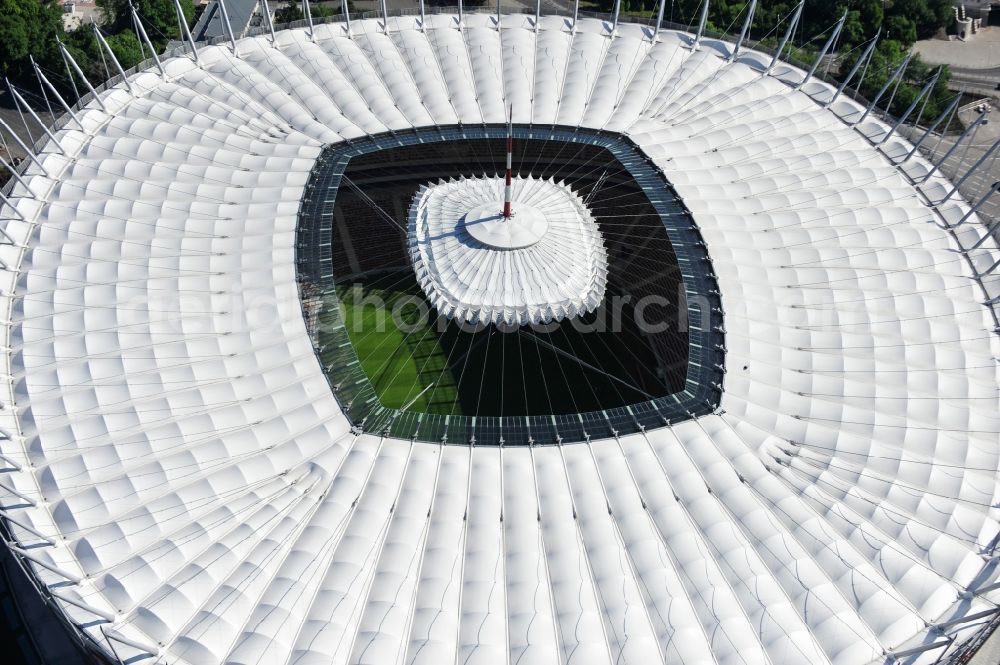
pixel 408 368
pixel 418 362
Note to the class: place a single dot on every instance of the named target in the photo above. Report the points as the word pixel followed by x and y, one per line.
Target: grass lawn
pixel 415 362
pixel 408 369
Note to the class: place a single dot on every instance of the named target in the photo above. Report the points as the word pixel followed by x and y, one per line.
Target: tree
pixel 322 11
pixel 293 12
pixel 32 27
pixel 159 17
pixel 288 14
pixel 863 19
pixel 900 28
pixel 126 48
pixel 93 60
pixel 927 16
pixel 29 27
pixel 85 50
pixel 853 32
pixel 918 73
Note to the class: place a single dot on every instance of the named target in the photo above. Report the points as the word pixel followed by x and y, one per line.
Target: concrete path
pixel 981 52
pixel 989 653
pixel 966 155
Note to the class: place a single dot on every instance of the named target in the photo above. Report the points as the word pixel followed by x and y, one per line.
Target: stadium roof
pixel 183 481
pixel 547 262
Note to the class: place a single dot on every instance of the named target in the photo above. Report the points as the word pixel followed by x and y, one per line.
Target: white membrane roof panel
pixel 184 482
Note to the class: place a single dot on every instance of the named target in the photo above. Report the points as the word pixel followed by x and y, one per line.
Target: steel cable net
pixel 187 488
pixel 651 352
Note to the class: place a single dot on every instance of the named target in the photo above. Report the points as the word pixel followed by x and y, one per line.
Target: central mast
pixel 507 213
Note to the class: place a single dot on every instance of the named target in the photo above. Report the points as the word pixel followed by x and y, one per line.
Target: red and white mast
pixel 507 190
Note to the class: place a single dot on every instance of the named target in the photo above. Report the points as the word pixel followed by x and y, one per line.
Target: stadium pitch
pixel 418 361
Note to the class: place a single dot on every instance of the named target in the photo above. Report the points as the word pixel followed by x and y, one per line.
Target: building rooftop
pixel 210 24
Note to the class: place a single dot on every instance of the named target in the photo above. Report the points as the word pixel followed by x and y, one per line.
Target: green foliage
pixel 29 27
pixel 94 61
pixel 900 28
pixel 926 16
pixel 84 48
pixel 127 49
pixel 322 11
pixel 159 17
pixel 293 12
pixel 854 30
pixel 32 27
pixel 288 14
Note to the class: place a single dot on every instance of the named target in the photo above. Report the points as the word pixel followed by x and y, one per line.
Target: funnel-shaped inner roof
pixel 545 263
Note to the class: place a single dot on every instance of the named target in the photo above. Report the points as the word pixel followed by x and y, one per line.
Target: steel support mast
pixel 507 190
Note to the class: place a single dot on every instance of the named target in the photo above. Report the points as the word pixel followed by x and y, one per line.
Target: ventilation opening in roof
pixel 387 350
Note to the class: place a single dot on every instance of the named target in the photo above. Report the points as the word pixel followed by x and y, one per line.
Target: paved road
pixel 975 64
pixel 989 653
pixel 13 119
pixel 976 81
pixel 966 155
pixel 983 51
pixel 990 73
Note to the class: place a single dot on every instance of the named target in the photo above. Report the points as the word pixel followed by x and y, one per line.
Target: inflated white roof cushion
pixel 171 433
